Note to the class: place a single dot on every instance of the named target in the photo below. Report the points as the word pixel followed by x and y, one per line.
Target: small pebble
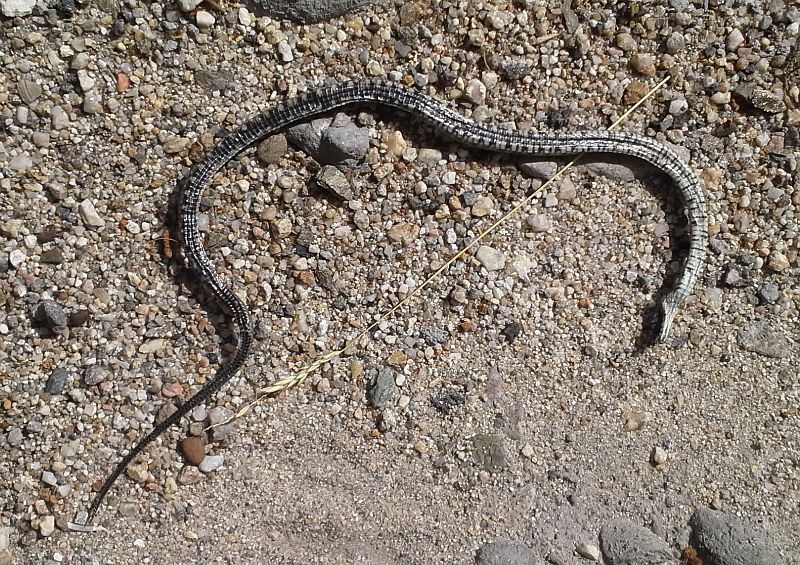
pixel 491 259
pixel 211 463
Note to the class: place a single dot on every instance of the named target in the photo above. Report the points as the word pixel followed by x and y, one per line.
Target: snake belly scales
pixel 452 125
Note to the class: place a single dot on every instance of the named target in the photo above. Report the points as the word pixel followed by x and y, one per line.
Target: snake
pixel 448 123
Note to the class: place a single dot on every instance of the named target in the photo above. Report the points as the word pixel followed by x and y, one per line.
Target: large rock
pixel 725 539
pixel 504 552
pixel 14 8
pixel 625 543
pixel 309 11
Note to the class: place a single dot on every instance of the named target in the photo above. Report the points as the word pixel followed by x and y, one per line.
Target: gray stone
pixel 14 436
pixel 95 374
pixel 624 543
pixel 769 293
pixel 764 339
pixel 340 144
pixel 340 141
pixel 725 539
pixel 382 388
pixel 20 163
pixel 58 118
pixel 213 80
pixel 307 136
pixel 222 429
pixel 489 451
pixel 189 5
pixel 49 313
pixel 588 551
pixel 491 259
pixel 211 463
pixel 57 381
pixel 28 90
pixel 309 11
pixel 541 170
pixel 538 223
pixel 333 180
pixel 506 552
pixel 15 8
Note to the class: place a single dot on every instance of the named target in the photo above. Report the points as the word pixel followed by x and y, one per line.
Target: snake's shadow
pixel 657 183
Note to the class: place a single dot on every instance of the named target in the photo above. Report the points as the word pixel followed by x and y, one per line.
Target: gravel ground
pixel 518 399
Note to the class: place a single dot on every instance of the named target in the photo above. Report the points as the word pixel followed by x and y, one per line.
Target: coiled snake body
pixel 452 125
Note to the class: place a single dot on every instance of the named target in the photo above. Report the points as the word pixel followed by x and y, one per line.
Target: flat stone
pixel 332 179
pixel 489 451
pixel 188 5
pixel 538 223
pixel 588 551
pixel 28 90
pixel 151 346
pixel 58 118
pixel 47 526
pixel 309 11
pixel 624 543
pixel 213 80
pixel 189 475
pixel 541 170
pixel 764 339
pixel 429 156
pixel 506 552
pixel 20 163
pixel 204 19
pixel 403 232
pixel 175 145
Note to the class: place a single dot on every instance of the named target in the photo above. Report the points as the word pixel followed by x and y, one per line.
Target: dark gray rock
pixel 505 552
pixel 382 389
pixel 309 11
pixel 308 135
pixel 95 374
pixel 56 382
pixel 624 543
pixel 724 539
pixel 343 144
pixel 489 451
pixel 333 180
pixel 49 313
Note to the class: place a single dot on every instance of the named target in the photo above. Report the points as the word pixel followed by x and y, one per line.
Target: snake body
pixel 450 124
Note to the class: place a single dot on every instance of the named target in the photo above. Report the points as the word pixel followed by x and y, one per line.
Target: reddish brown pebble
pixel 123 82
pixel 193 450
